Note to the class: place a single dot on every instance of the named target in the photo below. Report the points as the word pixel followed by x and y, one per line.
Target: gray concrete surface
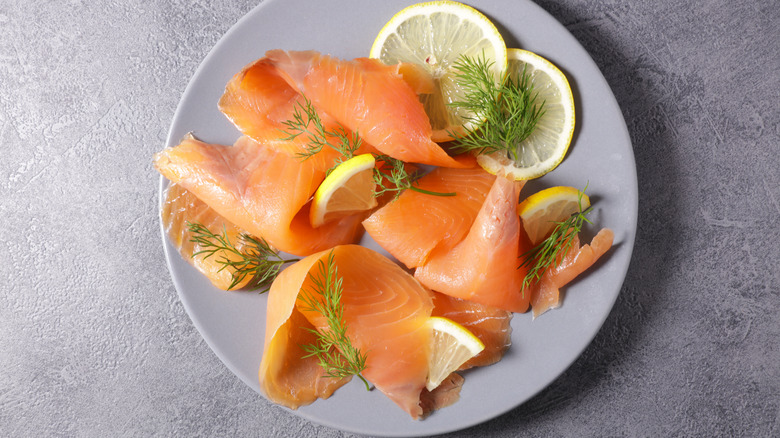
pixel 94 341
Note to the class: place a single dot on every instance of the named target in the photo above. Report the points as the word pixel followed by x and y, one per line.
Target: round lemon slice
pixel 547 145
pixel 347 190
pixel 540 211
pixel 451 346
pixel 434 36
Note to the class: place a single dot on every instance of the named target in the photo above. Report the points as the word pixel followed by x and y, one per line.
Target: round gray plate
pixel 233 323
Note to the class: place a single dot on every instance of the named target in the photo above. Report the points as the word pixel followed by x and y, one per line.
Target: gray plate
pixel 232 323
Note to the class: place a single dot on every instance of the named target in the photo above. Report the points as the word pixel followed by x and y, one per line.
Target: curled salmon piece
pixel 181 207
pixel 490 324
pixel 546 294
pixel 259 189
pixel 447 393
pixel 286 375
pixel 385 310
pixel 370 98
pixel 415 224
pixel 259 102
pixel 483 266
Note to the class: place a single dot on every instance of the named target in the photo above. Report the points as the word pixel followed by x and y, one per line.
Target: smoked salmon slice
pixel 546 295
pixel 367 97
pixel 259 189
pixel 490 324
pixel 385 310
pixel 413 225
pixel 286 375
pixel 258 101
pixel 483 266
pixel 180 207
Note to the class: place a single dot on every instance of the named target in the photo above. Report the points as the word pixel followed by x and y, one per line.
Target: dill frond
pixel 333 348
pixel 307 122
pixel 256 259
pixel 504 113
pixel 551 251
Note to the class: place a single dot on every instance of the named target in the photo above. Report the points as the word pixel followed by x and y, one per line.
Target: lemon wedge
pixel 547 145
pixel 540 211
pixel 451 346
pixel 434 35
pixel 347 190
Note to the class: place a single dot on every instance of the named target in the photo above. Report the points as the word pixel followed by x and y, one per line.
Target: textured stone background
pixel 94 341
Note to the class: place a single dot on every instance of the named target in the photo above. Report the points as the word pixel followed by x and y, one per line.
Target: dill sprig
pixel 307 122
pixel 333 348
pixel 398 179
pixel 503 113
pixel 551 251
pixel 256 259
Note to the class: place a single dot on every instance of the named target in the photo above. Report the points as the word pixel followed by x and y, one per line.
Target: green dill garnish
pixel 551 251
pixel 307 122
pixel 397 179
pixel 333 348
pixel 256 259
pixel 503 113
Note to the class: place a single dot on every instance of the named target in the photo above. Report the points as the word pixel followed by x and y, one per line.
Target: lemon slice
pixel 347 190
pixel 451 346
pixel 540 211
pixel 546 147
pixel 434 35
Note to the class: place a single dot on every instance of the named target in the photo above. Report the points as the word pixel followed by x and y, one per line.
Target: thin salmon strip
pixel 490 324
pixel 385 310
pixel 259 189
pixel 180 207
pixel 413 225
pixel 546 295
pixel 447 393
pixel 483 267
pixel 369 98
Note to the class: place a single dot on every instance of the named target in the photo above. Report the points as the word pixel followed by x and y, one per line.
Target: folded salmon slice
pixel 413 225
pixel 483 267
pixel 370 98
pixel 259 189
pixel 258 101
pixel 490 324
pixel 286 376
pixel 180 207
pixel 546 294
pixel 385 310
